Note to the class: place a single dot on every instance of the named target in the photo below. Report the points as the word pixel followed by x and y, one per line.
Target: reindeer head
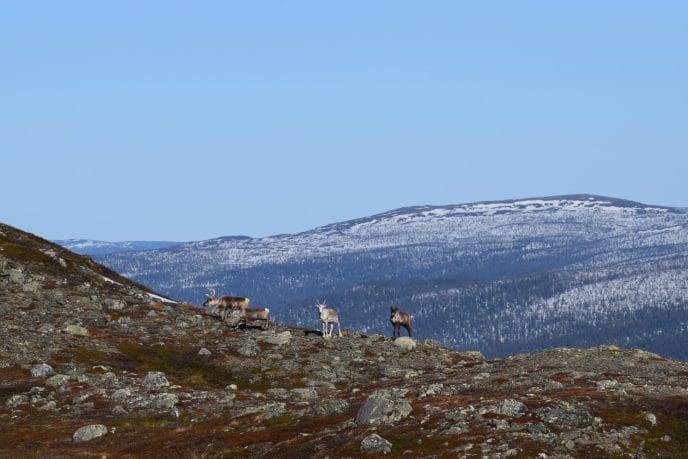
pixel 393 308
pixel 210 298
pixel 320 306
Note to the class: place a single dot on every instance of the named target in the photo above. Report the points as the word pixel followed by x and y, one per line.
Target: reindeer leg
pixel 410 332
pixel 339 329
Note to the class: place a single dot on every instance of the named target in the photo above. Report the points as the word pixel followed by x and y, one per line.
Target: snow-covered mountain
pixel 501 277
pixel 90 247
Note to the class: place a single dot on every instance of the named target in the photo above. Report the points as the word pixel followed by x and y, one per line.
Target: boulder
pixel 374 443
pixel 279 339
pixel 88 433
pixel 384 406
pixel 42 370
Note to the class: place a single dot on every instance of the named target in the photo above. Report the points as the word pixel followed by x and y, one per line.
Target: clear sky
pixel 135 120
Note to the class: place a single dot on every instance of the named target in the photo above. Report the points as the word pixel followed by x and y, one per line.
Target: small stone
pixel 155 380
pixel 57 381
pixel 607 384
pixel 231 387
pixel 666 438
pixel 75 330
pixel 50 406
pixel 119 411
pixel 164 401
pixel 88 433
pixel 569 444
pixel 405 343
pixel 114 305
pixel 16 400
pixel 651 418
pixel 304 394
pixel 374 443
pixel 17 276
pixel 41 370
pixel 120 395
pixel 204 351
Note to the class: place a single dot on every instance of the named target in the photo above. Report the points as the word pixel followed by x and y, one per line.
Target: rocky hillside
pixel 92 364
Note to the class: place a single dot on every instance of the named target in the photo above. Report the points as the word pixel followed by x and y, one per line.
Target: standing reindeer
pixel 224 304
pixel 328 316
pixel 399 318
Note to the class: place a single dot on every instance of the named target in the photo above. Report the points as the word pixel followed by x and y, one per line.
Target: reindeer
pixel 224 304
pixel 255 314
pixel 399 318
pixel 328 316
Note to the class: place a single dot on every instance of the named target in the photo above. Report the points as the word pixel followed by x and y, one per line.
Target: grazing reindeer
pixel 399 318
pixel 224 304
pixel 328 316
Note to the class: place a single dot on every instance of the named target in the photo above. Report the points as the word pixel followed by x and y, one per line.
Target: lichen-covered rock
pixel 330 407
pixel 88 433
pixel 566 415
pixel 75 330
pixel 374 443
pixel 385 406
pixel 307 393
pixel 16 400
pixel 280 339
pixel 42 370
pixel 155 380
pixel 57 381
pixel 509 407
pixel 164 401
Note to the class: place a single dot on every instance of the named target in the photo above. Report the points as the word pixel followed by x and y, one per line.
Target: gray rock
pixel 155 380
pixel 509 407
pixel 75 330
pixel 270 410
pixel 88 433
pixel 304 394
pixel 374 443
pixel 204 352
pixel 279 339
pixel 248 349
pixel 120 395
pixel 164 401
pixel 119 411
pixel 16 400
pixel 651 418
pixel 566 415
pixel 17 276
pixel 551 385
pixel 50 406
pixel 405 343
pixel 41 370
pixel 607 384
pixel 331 407
pixel 114 305
pixel 384 406
pixel 57 381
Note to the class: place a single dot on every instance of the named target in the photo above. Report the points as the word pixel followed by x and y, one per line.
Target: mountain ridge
pixel 582 262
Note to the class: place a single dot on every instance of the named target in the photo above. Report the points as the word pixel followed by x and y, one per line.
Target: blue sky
pixel 190 120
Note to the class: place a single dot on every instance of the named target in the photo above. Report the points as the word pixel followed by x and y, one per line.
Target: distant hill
pixel 502 277
pixel 89 247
